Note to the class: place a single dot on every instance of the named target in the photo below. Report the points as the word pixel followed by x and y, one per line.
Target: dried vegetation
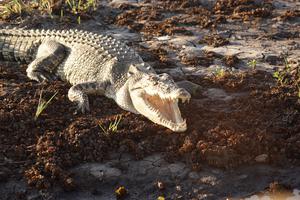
pixel 61 9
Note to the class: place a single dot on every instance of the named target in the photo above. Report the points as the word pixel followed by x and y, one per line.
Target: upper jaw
pixel 145 104
pixel 183 95
pixel 178 94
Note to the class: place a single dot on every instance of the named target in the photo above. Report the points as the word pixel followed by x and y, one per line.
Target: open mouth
pixel 166 111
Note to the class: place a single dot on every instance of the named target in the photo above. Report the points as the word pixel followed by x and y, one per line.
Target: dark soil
pixel 261 120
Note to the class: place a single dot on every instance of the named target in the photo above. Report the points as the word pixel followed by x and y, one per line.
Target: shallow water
pixel 295 195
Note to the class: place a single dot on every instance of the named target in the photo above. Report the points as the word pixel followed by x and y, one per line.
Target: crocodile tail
pixel 16 46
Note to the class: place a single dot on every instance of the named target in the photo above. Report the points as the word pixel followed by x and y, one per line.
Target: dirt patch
pixel 223 133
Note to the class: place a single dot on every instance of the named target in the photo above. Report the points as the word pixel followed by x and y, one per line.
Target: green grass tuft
pixel 113 126
pixel 42 105
pixel 252 64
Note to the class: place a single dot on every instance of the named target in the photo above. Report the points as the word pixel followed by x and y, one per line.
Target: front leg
pixel 49 55
pixel 78 93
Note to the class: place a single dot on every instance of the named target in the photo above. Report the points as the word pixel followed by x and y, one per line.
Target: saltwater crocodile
pixel 96 63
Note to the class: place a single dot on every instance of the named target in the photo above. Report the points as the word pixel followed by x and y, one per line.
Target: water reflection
pixel 286 195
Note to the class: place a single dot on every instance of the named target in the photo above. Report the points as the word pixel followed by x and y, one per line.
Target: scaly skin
pixel 94 63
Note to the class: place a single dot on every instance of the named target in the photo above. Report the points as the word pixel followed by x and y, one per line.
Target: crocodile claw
pixel 42 76
pixel 83 107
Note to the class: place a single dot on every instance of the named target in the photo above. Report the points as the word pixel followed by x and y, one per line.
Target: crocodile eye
pixel 129 73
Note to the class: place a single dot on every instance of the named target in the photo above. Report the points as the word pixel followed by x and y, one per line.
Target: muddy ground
pixel 243 124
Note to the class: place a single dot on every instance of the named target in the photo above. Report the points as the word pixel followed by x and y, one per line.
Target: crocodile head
pixel 156 97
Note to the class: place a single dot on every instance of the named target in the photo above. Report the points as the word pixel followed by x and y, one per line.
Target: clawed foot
pixel 82 107
pixel 41 76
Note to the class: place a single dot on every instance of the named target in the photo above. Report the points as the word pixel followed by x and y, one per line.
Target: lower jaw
pixel 175 128
pixel 154 117
pixel 172 126
pixel 180 129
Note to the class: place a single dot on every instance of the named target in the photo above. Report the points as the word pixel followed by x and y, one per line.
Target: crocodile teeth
pixel 166 111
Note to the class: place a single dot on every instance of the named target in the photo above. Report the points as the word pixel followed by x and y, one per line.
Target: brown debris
pixel 231 60
pixel 200 60
pixel 243 9
pixel 290 15
pixel 133 18
pixel 166 27
pixel 214 40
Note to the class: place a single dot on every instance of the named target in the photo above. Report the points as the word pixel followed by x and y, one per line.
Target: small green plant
pixel 80 6
pixel 42 105
pixel 283 76
pixel 252 64
pixel 289 79
pixel 219 72
pixel 287 66
pixel 279 76
pixel 61 15
pixel 113 126
pixel 78 20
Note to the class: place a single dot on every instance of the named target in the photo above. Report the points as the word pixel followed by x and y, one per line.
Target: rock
pixel 163 171
pixel 119 3
pixel 3 92
pixel 210 180
pixel 243 176
pixel 176 167
pixel 191 87
pixel 99 171
pixel 217 94
pixel 140 168
pixel 106 172
pixel 174 72
pixel 272 59
pixel 178 170
pixel 160 185
pixel 261 158
pixel 208 3
pixel 178 188
pixel 193 175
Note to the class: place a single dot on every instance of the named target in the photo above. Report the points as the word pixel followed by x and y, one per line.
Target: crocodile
pixel 96 63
